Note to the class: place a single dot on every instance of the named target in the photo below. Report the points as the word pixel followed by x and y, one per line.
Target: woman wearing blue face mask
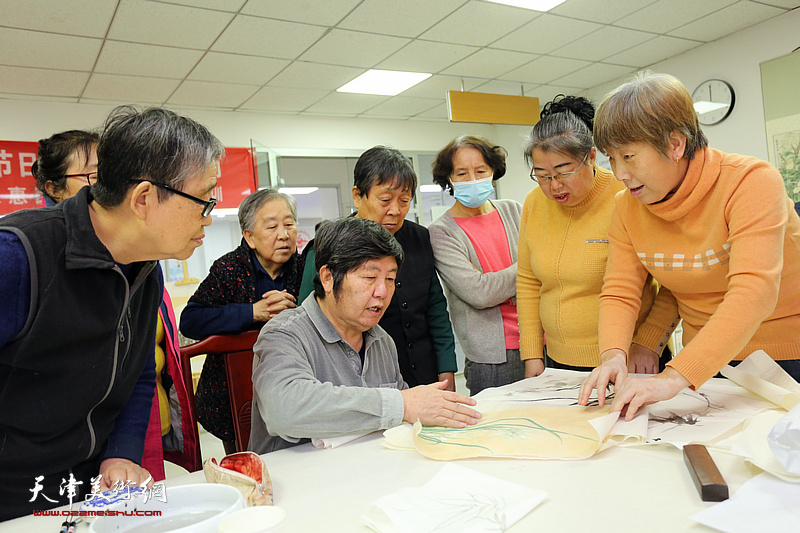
pixel 475 248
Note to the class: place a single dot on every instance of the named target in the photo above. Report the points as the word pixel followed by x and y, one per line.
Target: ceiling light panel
pixel 383 82
pixel 298 190
pixel 536 5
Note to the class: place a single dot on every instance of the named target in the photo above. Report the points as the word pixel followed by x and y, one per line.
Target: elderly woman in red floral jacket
pixel 244 289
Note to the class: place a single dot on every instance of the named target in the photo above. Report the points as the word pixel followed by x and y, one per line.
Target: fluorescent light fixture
pixel 224 212
pixel 704 106
pixel 536 5
pixel 430 188
pixel 298 190
pixel 384 82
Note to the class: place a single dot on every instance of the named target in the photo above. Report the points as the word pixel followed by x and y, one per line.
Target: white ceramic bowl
pixel 260 519
pixel 188 509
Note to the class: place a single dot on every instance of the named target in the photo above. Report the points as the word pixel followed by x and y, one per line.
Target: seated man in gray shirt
pixel 327 368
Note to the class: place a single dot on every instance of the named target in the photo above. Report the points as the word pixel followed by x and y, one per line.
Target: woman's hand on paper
pixel 614 367
pixel 637 392
pixel 642 360
pixel 434 406
pixel 533 367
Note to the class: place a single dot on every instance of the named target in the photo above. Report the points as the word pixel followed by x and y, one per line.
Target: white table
pixel 645 488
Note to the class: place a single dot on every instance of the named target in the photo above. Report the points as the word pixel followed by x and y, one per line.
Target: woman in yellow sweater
pixel 717 229
pixel 563 247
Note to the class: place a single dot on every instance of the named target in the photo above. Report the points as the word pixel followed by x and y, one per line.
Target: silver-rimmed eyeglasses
pixel 563 177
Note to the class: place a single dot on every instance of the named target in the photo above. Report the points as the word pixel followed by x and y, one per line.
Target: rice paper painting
pixel 531 433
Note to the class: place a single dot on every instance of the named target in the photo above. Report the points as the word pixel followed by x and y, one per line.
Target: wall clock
pixel 713 101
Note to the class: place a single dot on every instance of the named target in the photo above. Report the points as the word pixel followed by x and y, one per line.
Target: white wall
pixel 29 120
pixel 517 183
pixel 735 59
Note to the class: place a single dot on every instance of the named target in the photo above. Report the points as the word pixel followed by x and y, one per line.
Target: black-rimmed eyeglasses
pixel 208 205
pixel 90 177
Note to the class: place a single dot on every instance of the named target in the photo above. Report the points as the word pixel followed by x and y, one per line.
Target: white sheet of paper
pixel 456 500
pixel 399 437
pixel 630 433
pixel 603 425
pixel 761 365
pixel 554 387
pixel 703 415
pixel 759 373
pixel 334 442
pixel 764 504
pixel 753 446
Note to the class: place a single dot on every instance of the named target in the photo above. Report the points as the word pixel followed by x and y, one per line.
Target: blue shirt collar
pixel 260 268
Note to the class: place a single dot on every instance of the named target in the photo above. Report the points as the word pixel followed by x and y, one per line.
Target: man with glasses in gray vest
pixel 80 292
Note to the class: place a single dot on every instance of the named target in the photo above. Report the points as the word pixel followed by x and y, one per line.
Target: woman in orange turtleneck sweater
pixel 718 230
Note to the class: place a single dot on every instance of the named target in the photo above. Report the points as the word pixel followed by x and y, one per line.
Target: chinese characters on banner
pixel 236 178
pixel 17 185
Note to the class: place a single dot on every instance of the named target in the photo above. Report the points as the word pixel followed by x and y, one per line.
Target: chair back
pixel 237 351
pixel 239 370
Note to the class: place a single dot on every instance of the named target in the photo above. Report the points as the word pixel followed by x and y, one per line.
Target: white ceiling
pixel 289 56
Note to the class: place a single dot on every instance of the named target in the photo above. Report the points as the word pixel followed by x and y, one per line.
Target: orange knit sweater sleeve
pixel 662 320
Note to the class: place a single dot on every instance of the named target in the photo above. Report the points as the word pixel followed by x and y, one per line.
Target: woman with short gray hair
pixel 249 207
pixel 244 289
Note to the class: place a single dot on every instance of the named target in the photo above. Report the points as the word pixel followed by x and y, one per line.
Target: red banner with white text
pixel 236 177
pixel 17 185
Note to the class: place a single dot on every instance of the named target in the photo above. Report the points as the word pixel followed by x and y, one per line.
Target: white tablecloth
pixel 619 490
